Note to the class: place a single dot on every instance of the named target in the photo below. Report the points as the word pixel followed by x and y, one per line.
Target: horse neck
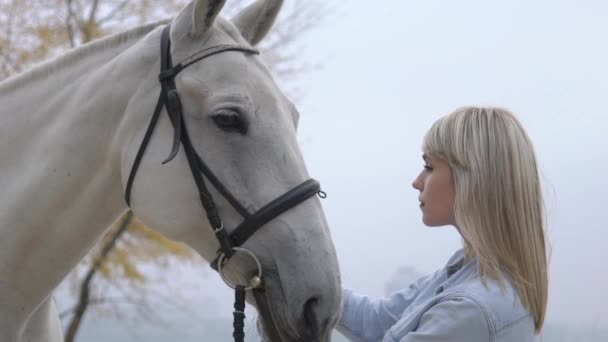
pixel 60 179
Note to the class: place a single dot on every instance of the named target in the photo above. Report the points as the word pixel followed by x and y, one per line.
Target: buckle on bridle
pixel 217 230
pixel 226 245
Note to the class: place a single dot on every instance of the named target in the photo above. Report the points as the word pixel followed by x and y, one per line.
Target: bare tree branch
pixel 90 22
pixel 99 301
pixel 113 13
pixel 68 23
pixel 10 64
pixel 93 11
pixel 84 296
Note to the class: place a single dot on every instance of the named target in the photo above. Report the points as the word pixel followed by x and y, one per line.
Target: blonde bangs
pixel 444 141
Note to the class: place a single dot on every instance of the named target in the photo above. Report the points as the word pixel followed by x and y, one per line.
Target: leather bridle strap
pixel 273 209
pixel 268 212
pixel 169 98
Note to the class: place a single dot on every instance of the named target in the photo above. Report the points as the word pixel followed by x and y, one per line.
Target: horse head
pixel 243 129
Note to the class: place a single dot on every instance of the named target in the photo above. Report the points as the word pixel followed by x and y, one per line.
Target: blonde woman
pixel 480 175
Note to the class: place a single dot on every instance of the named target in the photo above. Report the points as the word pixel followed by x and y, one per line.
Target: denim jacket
pixel 451 304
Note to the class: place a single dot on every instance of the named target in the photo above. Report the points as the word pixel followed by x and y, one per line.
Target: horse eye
pixel 230 121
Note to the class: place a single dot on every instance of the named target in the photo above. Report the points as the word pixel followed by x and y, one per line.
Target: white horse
pixel 69 133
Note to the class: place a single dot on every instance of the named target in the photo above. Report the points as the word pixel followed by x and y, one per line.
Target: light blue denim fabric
pixel 451 304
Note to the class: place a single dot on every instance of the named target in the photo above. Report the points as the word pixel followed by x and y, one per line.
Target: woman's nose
pixel 417 184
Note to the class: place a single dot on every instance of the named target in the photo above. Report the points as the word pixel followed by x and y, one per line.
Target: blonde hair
pixel 498 206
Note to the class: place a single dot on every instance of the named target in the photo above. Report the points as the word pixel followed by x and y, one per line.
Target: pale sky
pixel 390 70
pixel 392 67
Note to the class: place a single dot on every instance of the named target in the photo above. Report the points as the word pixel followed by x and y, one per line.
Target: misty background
pixel 391 70
pixel 388 70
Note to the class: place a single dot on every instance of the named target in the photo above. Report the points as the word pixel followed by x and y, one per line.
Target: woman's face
pixel 436 186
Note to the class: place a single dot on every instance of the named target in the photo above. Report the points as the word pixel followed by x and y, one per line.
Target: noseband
pixel 230 243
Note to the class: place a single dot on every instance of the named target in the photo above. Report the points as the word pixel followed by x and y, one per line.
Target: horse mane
pixel 71 57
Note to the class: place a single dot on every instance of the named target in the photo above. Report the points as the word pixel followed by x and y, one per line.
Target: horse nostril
pixel 311 320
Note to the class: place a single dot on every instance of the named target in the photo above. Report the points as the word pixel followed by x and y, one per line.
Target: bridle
pixel 229 243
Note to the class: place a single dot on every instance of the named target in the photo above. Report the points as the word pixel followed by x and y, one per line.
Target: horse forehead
pixel 231 72
pixel 234 66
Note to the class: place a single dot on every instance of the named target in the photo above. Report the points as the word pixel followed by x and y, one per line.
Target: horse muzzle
pixel 310 319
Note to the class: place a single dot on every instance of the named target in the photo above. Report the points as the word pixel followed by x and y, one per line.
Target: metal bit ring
pixel 255 282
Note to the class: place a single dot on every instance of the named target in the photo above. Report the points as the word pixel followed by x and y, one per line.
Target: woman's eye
pixel 230 122
pixel 428 168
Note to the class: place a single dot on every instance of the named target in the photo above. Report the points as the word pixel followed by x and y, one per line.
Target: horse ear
pixel 255 21
pixel 197 17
